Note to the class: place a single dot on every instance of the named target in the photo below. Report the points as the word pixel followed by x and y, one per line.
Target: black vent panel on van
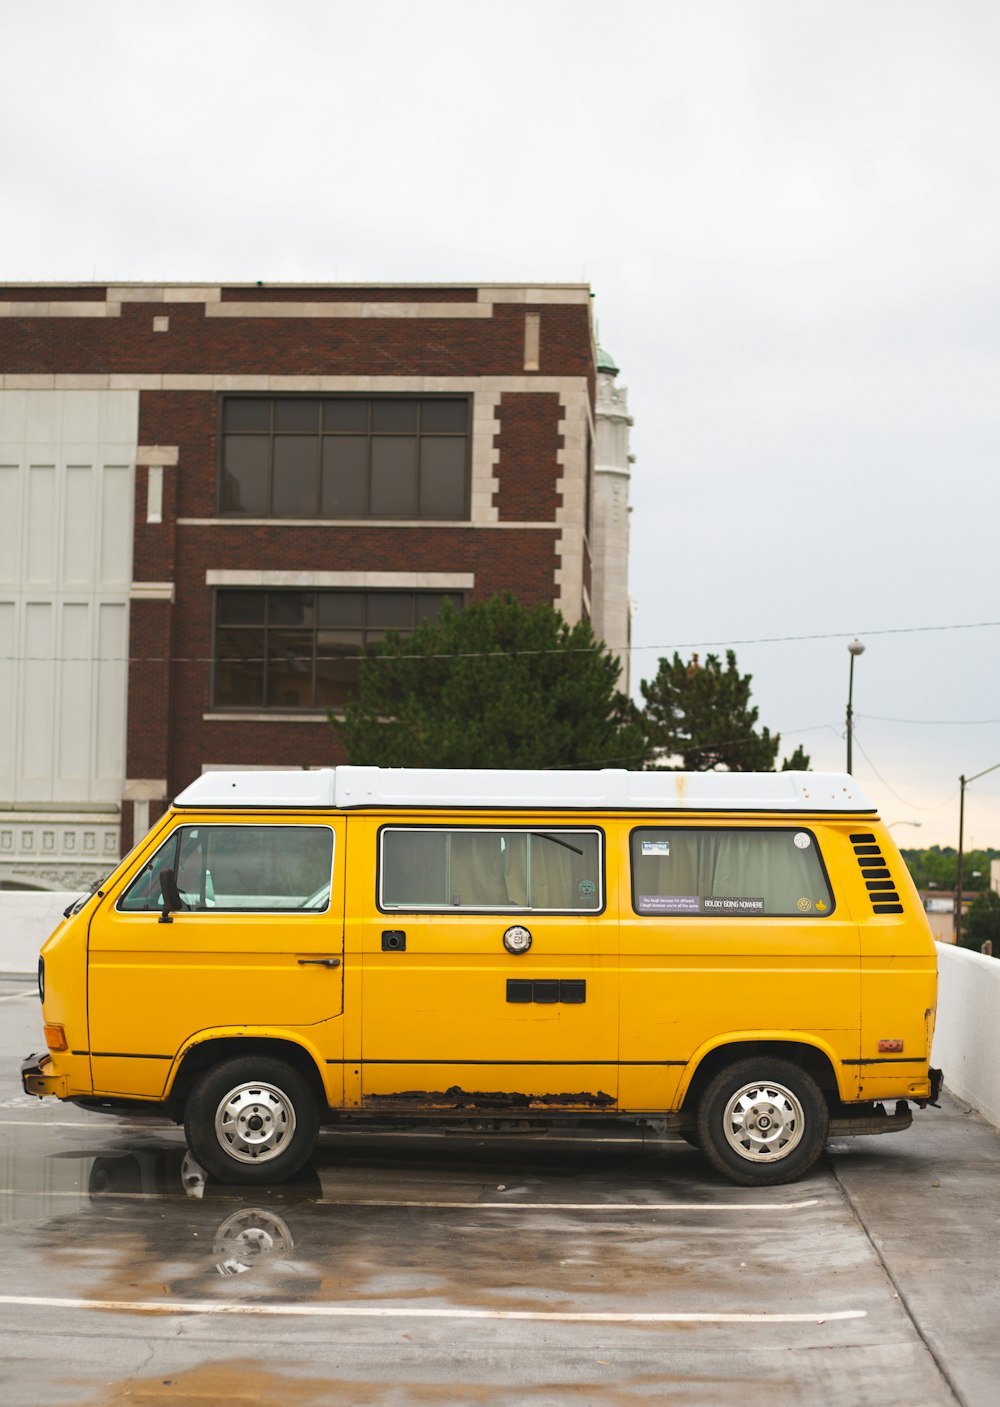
pixel 570 992
pixel 878 878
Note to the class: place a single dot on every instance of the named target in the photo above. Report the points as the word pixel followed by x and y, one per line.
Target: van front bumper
pixel 39 1078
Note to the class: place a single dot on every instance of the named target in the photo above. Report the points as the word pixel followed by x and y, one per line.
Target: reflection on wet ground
pixel 602 1228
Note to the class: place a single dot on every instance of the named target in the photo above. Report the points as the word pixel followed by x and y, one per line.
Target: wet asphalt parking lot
pixel 408 1268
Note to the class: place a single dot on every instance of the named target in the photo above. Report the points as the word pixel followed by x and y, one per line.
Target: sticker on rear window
pixel 656 847
pixel 723 904
pixel 668 904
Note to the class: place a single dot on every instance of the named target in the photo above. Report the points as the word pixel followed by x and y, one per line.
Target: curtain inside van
pixel 727 872
pixel 491 869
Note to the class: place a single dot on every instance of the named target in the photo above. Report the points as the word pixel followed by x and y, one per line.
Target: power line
pixel 597 648
pixel 932 722
pixel 913 805
pixel 828 635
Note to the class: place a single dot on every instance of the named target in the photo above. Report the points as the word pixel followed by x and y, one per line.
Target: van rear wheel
pixel 251 1120
pixel 762 1122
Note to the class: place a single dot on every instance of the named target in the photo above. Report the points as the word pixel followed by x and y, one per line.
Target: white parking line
pixel 35 1124
pixel 351 1311
pixel 19 996
pixel 577 1206
pixel 757 1207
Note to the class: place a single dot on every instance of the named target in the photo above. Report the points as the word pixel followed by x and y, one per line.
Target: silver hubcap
pixel 254 1122
pixel 763 1122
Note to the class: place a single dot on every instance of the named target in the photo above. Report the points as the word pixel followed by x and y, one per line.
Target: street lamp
pixel 963 782
pixel 918 824
pixel 856 648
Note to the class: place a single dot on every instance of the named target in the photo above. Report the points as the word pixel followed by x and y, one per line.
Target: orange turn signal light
pixel 55 1038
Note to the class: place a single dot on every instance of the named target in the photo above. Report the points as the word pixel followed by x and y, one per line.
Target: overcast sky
pixel 789 211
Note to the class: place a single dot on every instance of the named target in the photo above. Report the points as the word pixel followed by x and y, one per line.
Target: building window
pixel 301 649
pixel 345 457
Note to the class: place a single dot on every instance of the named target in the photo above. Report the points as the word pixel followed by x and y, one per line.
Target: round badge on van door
pixel 517 939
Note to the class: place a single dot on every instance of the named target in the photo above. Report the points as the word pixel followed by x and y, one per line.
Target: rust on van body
pixel 457 1098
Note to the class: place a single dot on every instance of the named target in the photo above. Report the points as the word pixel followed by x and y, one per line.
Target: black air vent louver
pixel 878 879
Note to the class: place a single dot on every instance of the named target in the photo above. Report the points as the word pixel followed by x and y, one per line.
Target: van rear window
pixel 257 868
pixel 728 873
pixel 550 870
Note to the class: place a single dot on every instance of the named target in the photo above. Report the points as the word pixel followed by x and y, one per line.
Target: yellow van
pixel 741 957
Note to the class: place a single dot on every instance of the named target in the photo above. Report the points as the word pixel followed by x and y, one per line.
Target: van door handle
pixel 319 962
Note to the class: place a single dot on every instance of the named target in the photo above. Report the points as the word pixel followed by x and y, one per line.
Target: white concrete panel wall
pixel 67 466
pixel 8 679
pixel 26 920
pixel 967 1035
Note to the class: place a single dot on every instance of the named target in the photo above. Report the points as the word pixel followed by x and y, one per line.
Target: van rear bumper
pixel 39 1078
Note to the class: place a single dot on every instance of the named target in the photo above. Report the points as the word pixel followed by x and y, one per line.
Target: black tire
pixel 762 1121
pixel 251 1120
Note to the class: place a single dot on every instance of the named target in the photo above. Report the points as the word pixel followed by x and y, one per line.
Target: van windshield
pixel 77 904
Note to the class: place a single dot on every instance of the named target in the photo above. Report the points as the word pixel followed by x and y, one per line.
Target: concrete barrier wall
pixel 27 917
pixel 967 1035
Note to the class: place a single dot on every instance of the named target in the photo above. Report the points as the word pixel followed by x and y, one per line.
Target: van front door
pixel 490 967
pixel 254 942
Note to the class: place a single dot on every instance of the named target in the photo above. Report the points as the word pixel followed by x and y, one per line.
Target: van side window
pixel 728 872
pixel 260 868
pixel 544 870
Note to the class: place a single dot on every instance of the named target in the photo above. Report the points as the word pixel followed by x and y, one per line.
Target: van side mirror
pixel 171 894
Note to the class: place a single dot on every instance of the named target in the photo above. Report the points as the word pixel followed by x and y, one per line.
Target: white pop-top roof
pixel 351 787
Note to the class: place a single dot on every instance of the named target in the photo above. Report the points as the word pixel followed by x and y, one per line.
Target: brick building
pixel 213 498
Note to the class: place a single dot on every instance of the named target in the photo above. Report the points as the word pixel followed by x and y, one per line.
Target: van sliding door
pixel 454 1016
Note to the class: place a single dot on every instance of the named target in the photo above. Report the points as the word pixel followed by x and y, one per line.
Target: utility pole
pixel 856 648
pixel 963 782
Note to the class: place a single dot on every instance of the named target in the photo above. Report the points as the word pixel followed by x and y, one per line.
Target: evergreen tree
pixel 701 714
pixel 799 760
pixel 492 685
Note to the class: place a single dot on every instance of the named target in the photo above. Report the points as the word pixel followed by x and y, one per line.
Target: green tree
pixel 799 760
pixel 937 867
pixel 492 685
pixel 701 714
pixel 982 922
pixel 933 867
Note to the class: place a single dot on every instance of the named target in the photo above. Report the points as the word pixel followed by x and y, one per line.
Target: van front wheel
pixel 252 1119
pixel 762 1122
